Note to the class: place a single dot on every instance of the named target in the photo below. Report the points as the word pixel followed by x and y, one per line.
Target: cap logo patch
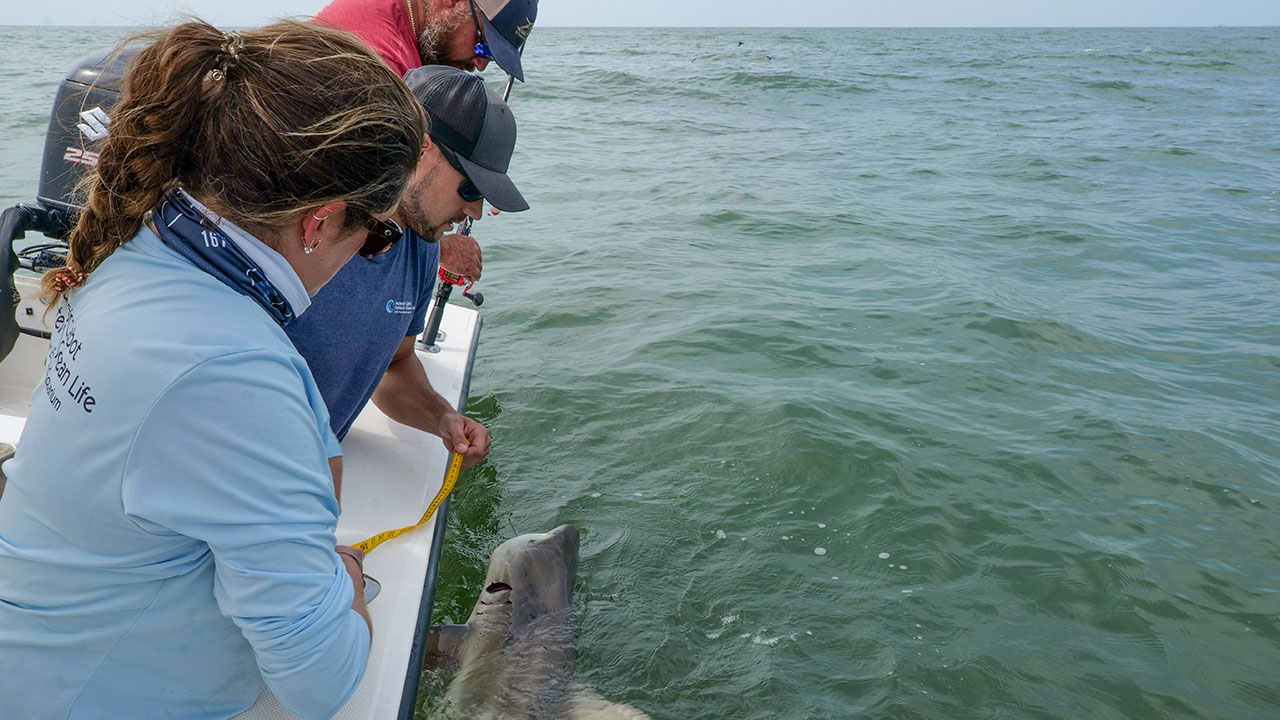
pixel 523 31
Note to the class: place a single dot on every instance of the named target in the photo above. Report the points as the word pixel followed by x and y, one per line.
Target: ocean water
pixel 888 373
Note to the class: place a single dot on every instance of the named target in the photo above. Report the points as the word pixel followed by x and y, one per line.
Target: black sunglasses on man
pixel 467 190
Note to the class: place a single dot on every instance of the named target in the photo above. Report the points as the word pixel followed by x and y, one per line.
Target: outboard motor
pixel 79 121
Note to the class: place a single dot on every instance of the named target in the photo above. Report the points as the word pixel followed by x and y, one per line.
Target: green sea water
pixel 888 373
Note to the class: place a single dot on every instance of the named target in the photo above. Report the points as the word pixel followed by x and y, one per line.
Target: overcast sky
pixel 701 13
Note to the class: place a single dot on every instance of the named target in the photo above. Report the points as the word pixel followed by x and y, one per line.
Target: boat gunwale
pixel 422 631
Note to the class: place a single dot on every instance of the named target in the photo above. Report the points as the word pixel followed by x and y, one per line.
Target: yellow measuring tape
pixel 450 477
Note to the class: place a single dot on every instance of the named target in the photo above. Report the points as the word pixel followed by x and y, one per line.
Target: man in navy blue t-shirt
pixel 358 334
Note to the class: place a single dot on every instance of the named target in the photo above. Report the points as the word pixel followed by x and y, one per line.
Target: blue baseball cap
pixel 507 23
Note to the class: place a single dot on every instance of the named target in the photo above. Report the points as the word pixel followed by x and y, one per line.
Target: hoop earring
pixel 308 250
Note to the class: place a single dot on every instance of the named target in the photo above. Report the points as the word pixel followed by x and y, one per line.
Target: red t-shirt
pixel 383 24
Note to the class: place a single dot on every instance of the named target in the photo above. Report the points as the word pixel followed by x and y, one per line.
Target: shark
pixel 515 655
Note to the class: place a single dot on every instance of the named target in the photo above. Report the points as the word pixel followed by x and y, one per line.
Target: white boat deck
pixel 391 473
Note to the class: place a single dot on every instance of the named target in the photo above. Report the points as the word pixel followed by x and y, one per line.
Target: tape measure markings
pixel 450 477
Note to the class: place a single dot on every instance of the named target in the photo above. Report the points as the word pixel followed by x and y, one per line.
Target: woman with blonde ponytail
pixel 167 531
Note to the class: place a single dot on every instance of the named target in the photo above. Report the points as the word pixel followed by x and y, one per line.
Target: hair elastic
pixel 65 278
pixel 228 55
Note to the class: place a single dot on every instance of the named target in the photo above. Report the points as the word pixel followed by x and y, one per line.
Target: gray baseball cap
pixel 469 118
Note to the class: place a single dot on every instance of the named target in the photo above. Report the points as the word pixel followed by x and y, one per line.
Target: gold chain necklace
pixel 412 25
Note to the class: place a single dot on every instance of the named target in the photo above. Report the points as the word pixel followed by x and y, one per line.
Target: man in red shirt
pixel 465 34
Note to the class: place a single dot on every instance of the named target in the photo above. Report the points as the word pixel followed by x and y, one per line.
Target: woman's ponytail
pixel 163 99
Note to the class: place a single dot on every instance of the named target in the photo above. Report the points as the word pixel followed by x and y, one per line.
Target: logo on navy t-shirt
pixel 403 307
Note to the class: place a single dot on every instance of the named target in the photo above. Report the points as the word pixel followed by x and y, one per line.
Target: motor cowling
pixel 78 123
pixel 80 120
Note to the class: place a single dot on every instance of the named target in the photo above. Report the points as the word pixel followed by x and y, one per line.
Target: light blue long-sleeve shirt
pixel 167 532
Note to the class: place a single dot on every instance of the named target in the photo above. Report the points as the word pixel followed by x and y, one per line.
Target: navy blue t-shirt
pixel 358 320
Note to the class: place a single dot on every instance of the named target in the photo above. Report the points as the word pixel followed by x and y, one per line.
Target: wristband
pixel 352 555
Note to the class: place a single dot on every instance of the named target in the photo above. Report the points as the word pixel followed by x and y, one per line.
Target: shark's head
pixel 530 577
pixel 515 656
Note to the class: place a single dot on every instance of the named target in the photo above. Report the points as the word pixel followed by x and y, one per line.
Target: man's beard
pixel 435 32
pixel 429 41
pixel 420 223
pixel 416 217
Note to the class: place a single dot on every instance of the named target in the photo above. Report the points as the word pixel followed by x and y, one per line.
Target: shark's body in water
pixel 515 655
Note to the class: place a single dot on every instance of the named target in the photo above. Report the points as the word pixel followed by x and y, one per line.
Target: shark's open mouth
pixel 498 593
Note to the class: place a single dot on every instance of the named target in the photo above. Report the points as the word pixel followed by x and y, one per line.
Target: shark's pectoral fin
pixel 443 640
pixel 587 704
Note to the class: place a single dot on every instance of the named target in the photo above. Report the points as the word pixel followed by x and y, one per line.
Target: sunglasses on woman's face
pixel 382 235
pixel 467 190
